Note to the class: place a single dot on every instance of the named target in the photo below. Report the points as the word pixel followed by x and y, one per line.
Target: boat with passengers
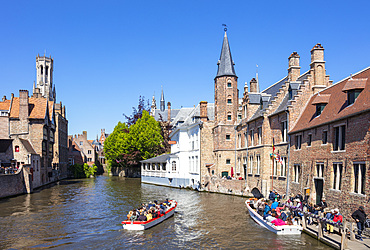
pixel 142 225
pixel 281 230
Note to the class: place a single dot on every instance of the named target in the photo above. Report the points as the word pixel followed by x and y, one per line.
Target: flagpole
pixel 272 165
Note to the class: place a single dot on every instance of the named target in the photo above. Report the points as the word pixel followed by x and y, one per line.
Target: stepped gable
pixel 285 102
pixel 270 91
pixel 337 107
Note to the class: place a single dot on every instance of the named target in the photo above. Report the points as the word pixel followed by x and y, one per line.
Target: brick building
pixel 330 145
pixel 84 146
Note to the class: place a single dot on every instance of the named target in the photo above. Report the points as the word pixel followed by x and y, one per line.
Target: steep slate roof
pixel 337 108
pixel 158 113
pixel 186 115
pixel 5 105
pixel 226 63
pixel 159 159
pixel 285 102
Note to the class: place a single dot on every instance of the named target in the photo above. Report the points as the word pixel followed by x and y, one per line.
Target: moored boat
pixel 281 230
pixel 142 225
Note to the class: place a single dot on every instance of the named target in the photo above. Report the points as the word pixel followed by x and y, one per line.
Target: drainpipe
pixel 235 150
pixel 288 170
pixel 246 160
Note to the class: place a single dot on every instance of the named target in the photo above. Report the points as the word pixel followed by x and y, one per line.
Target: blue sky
pixel 108 53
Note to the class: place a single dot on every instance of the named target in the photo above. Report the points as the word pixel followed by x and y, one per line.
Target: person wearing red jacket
pixel 337 218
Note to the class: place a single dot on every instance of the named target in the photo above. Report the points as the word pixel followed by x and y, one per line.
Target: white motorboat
pixel 281 230
pixel 142 225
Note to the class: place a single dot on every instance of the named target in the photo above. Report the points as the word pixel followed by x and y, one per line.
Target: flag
pixel 273 147
pixel 280 159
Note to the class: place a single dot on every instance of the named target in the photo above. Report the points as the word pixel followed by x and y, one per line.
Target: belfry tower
pixel 44 79
pixel 226 107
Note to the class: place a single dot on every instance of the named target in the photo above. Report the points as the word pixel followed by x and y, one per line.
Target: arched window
pixel 42 70
pixel 16 148
pixel 173 166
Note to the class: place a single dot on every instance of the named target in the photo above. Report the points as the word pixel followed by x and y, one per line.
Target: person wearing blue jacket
pixel 267 208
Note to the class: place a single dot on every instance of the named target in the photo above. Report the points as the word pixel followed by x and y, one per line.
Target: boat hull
pixel 142 225
pixel 280 230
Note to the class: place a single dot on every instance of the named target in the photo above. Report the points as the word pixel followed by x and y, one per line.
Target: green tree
pixel 90 171
pixel 127 146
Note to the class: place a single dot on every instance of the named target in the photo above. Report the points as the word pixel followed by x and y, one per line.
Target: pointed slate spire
pixel 163 108
pixel 226 63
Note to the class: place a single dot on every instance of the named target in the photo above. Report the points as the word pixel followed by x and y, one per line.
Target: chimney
pixel 169 111
pixel 253 85
pixel 11 95
pixel 64 112
pixel 318 71
pixel 294 69
pixel 23 104
pixel 4 98
pixel 203 111
pixel 84 134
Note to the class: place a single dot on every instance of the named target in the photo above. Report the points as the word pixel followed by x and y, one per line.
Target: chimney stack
pixel 294 69
pixel 84 134
pixel 23 104
pixel 4 98
pixel 169 111
pixel 318 71
pixel 203 111
pixel 253 85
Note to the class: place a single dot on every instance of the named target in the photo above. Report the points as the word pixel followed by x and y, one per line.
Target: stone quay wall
pixel 15 184
pixel 217 185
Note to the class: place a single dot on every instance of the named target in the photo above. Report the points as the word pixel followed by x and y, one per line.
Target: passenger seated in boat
pixel 267 208
pixel 272 195
pixel 142 217
pixel 260 206
pixel 129 215
pixel 275 204
pixel 278 222
pixel 289 221
pixel 133 217
pixel 270 217
pixel 149 216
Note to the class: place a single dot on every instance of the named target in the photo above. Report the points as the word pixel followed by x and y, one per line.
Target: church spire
pixel 163 108
pixel 226 63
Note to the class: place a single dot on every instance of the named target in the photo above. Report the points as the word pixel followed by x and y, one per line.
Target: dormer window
pixel 353 88
pixel 320 101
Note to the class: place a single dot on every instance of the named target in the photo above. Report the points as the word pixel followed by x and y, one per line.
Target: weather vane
pixel 225 29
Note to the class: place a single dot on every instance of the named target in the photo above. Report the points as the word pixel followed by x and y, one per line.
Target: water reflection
pixel 87 214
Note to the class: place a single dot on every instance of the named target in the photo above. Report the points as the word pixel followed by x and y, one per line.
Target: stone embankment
pixel 224 186
pixel 15 184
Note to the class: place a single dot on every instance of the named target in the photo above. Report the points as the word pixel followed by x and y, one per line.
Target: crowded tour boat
pixel 149 215
pixel 283 224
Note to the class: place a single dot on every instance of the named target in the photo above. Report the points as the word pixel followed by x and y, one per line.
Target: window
pixel 229 101
pixel 238 169
pixel 228 161
pixel 153 166
pixel 275 162
pixel 298 141
pixel 81 143
pixel 173 166
pixel 239 117
pixel 340 138
pixel 196 164
pixel 16 148
pixel 319 169
pixel 89 152
pixel 325 137
pixel 252 137
pixel 229 84
pixel 284 134
pixel 43 145
pixel 148 166
pixel 259 131
pixel 337 171
pixel 229 117
pixel 319 108
pixel 359 170
pixel 228 137
pixel 89 159
pixel 250 164
pixel 245 139
pixel 352 95
pixel 239 140
pixel 309 141
pixel 283 167
pixel 297 170
pixel 158 166
pixel 258 164
pixel 164 166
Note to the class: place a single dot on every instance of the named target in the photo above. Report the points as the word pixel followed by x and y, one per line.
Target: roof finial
pixel 350 76
pixel 225 29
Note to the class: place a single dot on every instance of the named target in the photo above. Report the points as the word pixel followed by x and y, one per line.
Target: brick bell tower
pixel 226 107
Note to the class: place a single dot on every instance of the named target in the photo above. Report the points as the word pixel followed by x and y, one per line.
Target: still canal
pixel 75 214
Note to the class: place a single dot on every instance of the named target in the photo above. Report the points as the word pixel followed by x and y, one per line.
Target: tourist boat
pixel 142 225
pixel 281 230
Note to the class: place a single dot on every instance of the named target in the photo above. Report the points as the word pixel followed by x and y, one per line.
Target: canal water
pixel 75 214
